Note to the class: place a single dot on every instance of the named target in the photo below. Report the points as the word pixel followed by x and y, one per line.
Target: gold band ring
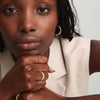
pixel 17 96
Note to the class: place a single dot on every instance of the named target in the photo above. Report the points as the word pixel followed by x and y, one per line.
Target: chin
pixel 23 53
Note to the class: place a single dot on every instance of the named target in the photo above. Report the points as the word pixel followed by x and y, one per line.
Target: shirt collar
pixel 56 61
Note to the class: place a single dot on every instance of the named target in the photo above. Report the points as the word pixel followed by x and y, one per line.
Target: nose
pixel 27 24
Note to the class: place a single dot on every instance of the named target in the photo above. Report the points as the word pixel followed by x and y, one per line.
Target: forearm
pixel 90 97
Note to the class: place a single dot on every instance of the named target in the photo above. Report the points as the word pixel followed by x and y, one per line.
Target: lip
pixel 28 46
pixel 28 40
pixel 28 43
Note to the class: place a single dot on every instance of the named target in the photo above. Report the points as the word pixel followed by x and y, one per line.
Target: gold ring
pixel 17 96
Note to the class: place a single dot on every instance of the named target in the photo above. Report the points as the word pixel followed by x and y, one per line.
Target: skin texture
pixel 27 28
pixel 28 24
pixel 26 73
pixel 95 57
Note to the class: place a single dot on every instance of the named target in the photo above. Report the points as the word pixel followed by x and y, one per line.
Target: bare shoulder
pixel 94 64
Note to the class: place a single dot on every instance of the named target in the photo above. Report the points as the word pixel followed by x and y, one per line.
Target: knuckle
pixel 45 59
pixel 29 86
pixel 46 67
pixel 27 96
pixel 28 76
pixel 42 59
pixel 27 68
pixel 25 59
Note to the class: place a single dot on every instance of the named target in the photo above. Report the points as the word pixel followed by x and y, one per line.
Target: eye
pixel 10 10
pixel 43 10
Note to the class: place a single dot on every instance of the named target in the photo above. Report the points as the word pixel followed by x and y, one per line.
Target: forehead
pixel 26 2
pixel 31 0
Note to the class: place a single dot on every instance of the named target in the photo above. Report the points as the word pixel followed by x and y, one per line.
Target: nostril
pixel 26 31
pixel 31 30
pixel 23 31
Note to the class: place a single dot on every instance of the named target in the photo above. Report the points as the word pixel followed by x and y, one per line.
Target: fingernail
pixel 51 70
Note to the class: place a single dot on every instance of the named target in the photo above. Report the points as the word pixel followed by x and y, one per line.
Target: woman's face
pixel 28 26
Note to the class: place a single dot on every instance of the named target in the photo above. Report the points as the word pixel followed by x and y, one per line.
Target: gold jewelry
pixel 17 96
pixel 43 76
pixel 59 31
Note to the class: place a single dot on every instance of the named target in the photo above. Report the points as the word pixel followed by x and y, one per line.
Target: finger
pixel 34 85
pixel 34 59
pixel 40 59
pixel 40 67
pixel 39 85
pixel 36 67
pixel 51 70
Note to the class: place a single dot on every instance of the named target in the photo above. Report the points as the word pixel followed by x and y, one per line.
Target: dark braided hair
pixel 67 21
pixel 1 44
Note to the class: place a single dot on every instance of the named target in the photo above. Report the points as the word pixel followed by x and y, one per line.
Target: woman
pixel 28 48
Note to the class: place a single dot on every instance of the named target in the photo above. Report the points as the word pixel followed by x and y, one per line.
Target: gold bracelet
pixel 17 96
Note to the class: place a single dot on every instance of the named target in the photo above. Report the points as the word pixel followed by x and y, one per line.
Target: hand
pixel 25 75
pixel 43 94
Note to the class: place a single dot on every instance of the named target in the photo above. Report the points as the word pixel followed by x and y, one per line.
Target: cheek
pixel 7 29
pixel 47 28
pixel 48 35
pixel 6 35
pixel 47 32
pixel 8 25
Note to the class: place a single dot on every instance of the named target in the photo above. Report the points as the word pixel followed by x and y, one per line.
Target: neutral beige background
pixel 89 17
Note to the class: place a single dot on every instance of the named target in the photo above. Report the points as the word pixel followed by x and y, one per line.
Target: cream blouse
pixel 69 59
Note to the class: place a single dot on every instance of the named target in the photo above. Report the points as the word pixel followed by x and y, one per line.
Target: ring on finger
pixel 43 76
pixel 17 96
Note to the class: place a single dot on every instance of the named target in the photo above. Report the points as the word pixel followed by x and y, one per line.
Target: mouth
pixel 28 46
pixel 28 43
